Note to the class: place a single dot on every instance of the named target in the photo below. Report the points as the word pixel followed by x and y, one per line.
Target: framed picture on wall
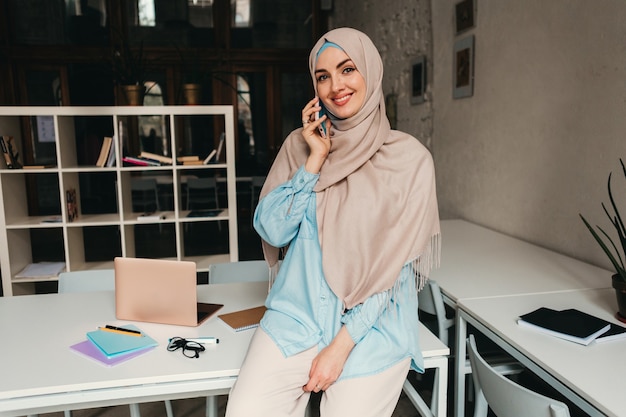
pixel 463 70
pixel 465 15
pixel 418 80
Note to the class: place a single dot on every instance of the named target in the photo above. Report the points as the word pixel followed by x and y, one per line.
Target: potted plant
pixel 615 252
pixel 129 72
pixel 195 74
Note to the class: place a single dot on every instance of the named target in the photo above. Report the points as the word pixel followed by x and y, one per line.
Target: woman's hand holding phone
pixel 322 126
pixel 315 134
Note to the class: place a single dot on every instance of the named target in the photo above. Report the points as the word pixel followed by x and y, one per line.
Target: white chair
pixel 242 271
pixel 430 300
pixel 227 272
pixel 97 280
pixel 505 397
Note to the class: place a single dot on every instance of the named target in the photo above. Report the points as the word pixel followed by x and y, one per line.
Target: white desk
pixel 479 263
pixel 39 373
pixel 591 376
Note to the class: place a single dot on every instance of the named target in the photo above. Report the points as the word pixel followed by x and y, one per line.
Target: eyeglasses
pixel 190 349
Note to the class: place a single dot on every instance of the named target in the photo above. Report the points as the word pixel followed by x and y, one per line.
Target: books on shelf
pixel 187 158
pixel 207 160
pixel 43 166
pixel 107 143
pixel 130 160
pixel 571 324
pixel 156 157
pixel 220 147
pixel 205 213
pixel 244 319
pixel 52 219
pixel 9 154
pixel 111 157
pixel 72 204
pixel 150 217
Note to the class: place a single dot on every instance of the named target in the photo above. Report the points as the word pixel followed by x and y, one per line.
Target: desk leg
pixel 459 365
pixel 211 406
pixel 442 389
pixel 134 410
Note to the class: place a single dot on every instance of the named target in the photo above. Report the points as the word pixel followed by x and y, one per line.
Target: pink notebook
pixel 91 351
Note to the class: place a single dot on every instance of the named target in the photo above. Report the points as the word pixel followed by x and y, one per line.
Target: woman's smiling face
pixel 340 86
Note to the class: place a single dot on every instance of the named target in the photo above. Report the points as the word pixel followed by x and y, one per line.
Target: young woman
pixel 353 210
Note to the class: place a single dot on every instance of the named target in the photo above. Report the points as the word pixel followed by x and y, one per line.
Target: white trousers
pixel 270 385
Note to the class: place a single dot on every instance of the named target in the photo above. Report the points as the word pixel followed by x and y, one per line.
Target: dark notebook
pixel 573 325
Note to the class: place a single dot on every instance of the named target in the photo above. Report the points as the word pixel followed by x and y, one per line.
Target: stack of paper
pixel 111 348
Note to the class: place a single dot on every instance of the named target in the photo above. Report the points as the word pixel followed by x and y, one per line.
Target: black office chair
pixel 145 195
pixel 202 194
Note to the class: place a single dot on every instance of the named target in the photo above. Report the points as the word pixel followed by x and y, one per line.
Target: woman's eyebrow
pixel 339 65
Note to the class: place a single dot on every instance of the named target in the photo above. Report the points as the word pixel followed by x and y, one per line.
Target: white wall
pixel 401 31
pixel 532 148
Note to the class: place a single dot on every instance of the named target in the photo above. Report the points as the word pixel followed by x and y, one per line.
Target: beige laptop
pixel 159 291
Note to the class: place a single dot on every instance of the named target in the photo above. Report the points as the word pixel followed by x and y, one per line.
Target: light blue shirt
pixel 302 309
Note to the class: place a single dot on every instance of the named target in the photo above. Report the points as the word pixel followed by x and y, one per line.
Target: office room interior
pixel 533 145
pixel 524 152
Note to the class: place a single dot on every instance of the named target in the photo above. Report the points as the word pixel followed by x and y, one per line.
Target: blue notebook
pixel 112 344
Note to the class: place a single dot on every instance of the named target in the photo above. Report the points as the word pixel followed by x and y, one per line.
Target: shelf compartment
pixel 15 198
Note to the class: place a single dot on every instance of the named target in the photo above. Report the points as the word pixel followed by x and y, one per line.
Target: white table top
pixel 37 331
pixel 594 372
pixel 41 373
pixel 477 262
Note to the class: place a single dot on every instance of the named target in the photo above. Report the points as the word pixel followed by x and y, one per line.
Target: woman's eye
pixel 349 69
pixel 322 77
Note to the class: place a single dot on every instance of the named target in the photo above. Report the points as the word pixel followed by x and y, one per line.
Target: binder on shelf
pixel 244 319
pixel 112 344
pixel 572 324
pixel 104 151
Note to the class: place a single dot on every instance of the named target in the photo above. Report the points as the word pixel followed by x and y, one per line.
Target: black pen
pixel 131 332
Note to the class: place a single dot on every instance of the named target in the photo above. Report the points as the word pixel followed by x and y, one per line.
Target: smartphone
pixel 322 127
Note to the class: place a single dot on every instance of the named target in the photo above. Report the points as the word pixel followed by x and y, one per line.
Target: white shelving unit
pixel 16 225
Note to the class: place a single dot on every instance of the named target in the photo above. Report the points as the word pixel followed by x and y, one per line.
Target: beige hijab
pixel 376 200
